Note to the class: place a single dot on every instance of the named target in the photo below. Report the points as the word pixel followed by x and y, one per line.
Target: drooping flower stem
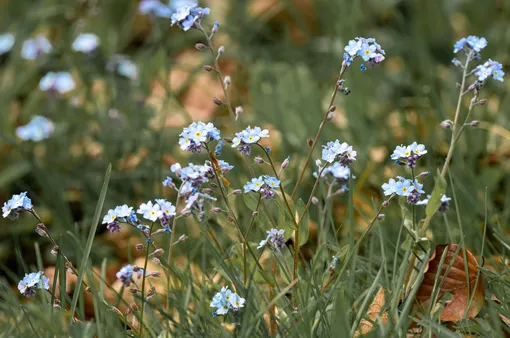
pixel 217 69
pixel 321 127
pixel 144 274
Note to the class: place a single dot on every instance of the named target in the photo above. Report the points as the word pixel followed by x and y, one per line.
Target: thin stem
pixel 217 69
pixel 171 245
pixel 245 237
pixel 144 274
pixel 272 314
pixel 319 132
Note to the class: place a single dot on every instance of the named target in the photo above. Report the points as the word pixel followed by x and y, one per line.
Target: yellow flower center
pixel 367 51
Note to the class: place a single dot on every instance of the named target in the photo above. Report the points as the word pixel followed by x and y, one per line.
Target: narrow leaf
pixel 435 198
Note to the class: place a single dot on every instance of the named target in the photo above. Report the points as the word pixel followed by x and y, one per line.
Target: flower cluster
pixel 32 281
pixel 226 300
pixel 7 40
pixel 274 239
pixel 187 14
pixel 264 185
pixel 121 214
pixel 443 207
pixel 366 48
pixel 162 210
pixel 61 82
pixel 341 152
pixel 155 7
pixel 86 43
pixel 408 155
pixel 39 128
pixel 471 43
pixel 34 48
pixel 337 170
pixel 490 68
pixel 244 139
pixel 127 273
pixel 192 137
pixel 412 189
pixel 16 204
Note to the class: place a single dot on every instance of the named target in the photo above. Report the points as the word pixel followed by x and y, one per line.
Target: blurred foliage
pixel 283 57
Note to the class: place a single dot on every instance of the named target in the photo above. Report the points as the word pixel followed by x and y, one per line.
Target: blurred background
pixel 283 57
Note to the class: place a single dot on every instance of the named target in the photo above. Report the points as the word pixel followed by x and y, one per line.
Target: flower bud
pixel 156 261
pixel 310 142
pixel 226 81
pixel 54 251
pixel 221 50
pixel 230 218
pixel 237 192
pixel 318 163
pixel 215 27
pixel 208 68
pixel 286 162
pixel 133 290
pixel 182 238
pixel 186 213
pixel 158 252
pixel 239 111
pixel 217 101
pixel 458 85
pixel 471 88
pixel 155 274
pixel 216 210
pixel 446 124
pixel 139 246
pixel 227 139
pixel 424 174
pixel 332 108
pixel 258 160
pixel 134 307
pixel 207 191
pixel 482 102
pixel 475 123
pixel 330 116
pixel 136 268
pixel 385 204
pixel 380 217
pixel 255 213
pixel 213 185
pixel 200 46
pixel 315 200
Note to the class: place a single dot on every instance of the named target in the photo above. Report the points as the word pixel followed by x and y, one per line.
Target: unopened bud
pixel 330 116
pixel 482 102
pixel 221 50
pixel 315 200
pixel 237 192
pixel 133 290
pixel 332 108
pixel 217 101
pixel 230 218
pixel 200 46
pixel 255 213
pixel 475 123
pixel 216 210
pixel 208 68
pixel 155 274
pixel 54 251
pixel 458 85
pixel 213 185
pixel 226 81
pixel 134 307
pixel 136 268
pixel 158 252
pixel 318 163
pixel 227 139
pixel 156 261
pixel 310 142
pixel 239 111
pixel 207 191
pixel 186 213
pixel 258 160
pixel 385 204
pixel 215 27
pixel 182 238
pixel 471 88
pixel 446 124
pixel 139 246
pixel 424 174
pixel 380 217
pixel 286 162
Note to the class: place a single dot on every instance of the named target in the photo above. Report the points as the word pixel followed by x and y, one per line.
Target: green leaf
pixel 251 201
pixel 304 230
pixel 13 172
pixel 435 197
pixel 90 240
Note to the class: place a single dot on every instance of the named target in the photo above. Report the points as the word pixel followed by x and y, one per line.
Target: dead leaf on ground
pixel 455 283
pixel 373 312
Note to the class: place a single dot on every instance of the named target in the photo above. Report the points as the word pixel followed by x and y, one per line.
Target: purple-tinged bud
pixel 230 218
pixel 134 290
pixel 156 261
pixel 155 274
pixel 136 268
pixel 474 123
pixel 458 85
pixel 207 191
pixel 239 111
pixel 158 232
pixel 186 213
pixel 330 116
pixel 182 238
pixel 380 217
pixel 424 174
pixel 482 102
pixel 471 87
pixel 286 162
pixel 200 46
pixel 139 246
pixel 237 192
pixel 226 81
pixel 208 68
pixel 310 142
pixel 213 185
pixel 221 50
pixel 318 163
pixel 216 210
pixel 385 204
pixel 332 109
pixel 255 213
pixel 227 139
pixel 215 27
pixel 158 252
pixel 315 200
pixel 258 160
pixel 446 124
pixel 134 307
pixel 54 251
pixel 217 101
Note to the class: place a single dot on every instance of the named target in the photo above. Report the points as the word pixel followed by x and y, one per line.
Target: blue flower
pixel 127 273
pixel 17 203
pixel 187 13
pixel 155 7
pixel 337 170
pixel 254 185
pixel 33 48
pixel 61 82
pixel 352 48
pixel 225 167
pixel 390 187
pixel 249 136
pixel 85 43
pixel 128 69
pixel 39 128
pixel 367 51
pixel 343 152
pixel 459 45
pixel 272 182
pixel 476 43
pixel 28 285
pixel 274 239
pixel 404 187
pixel 347 59
pixel 226 300
pixel 167 182
pixel 197 133
pixel 6 42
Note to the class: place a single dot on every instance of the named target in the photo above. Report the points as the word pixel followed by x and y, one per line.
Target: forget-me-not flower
pixel 86 43
pixel 6 42
pixel 61 82
pixel 32 281
pixel 33 48
pixel 39 128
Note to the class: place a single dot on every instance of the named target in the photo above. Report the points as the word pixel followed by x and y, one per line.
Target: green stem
pixel 319 132
pixel 171 245
pixel 252 222
pixel 144 274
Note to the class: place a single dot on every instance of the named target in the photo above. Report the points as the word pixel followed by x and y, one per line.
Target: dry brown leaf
pixel 373 312
pixel 455 283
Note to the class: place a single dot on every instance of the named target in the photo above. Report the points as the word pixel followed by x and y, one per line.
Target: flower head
pixel 155 7
pixel 33 48
pixel 38 129
pixel 342 152
pixel 150 211
pixel 187 13
pixel 86 43
pixel 17 203
pixel 127 273
pixel 32 281
pixel 197 133
pixel 274 239
pixel 61 82
pixel 366 48
pixel 404 187
pixel 488 69
pixel 6 42
pixel 249 136
pixel 226 300
pixel 254 185
pixel 390 187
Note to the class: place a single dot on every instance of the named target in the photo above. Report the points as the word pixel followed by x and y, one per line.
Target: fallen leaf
pixel 453 281
pixel 373 312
